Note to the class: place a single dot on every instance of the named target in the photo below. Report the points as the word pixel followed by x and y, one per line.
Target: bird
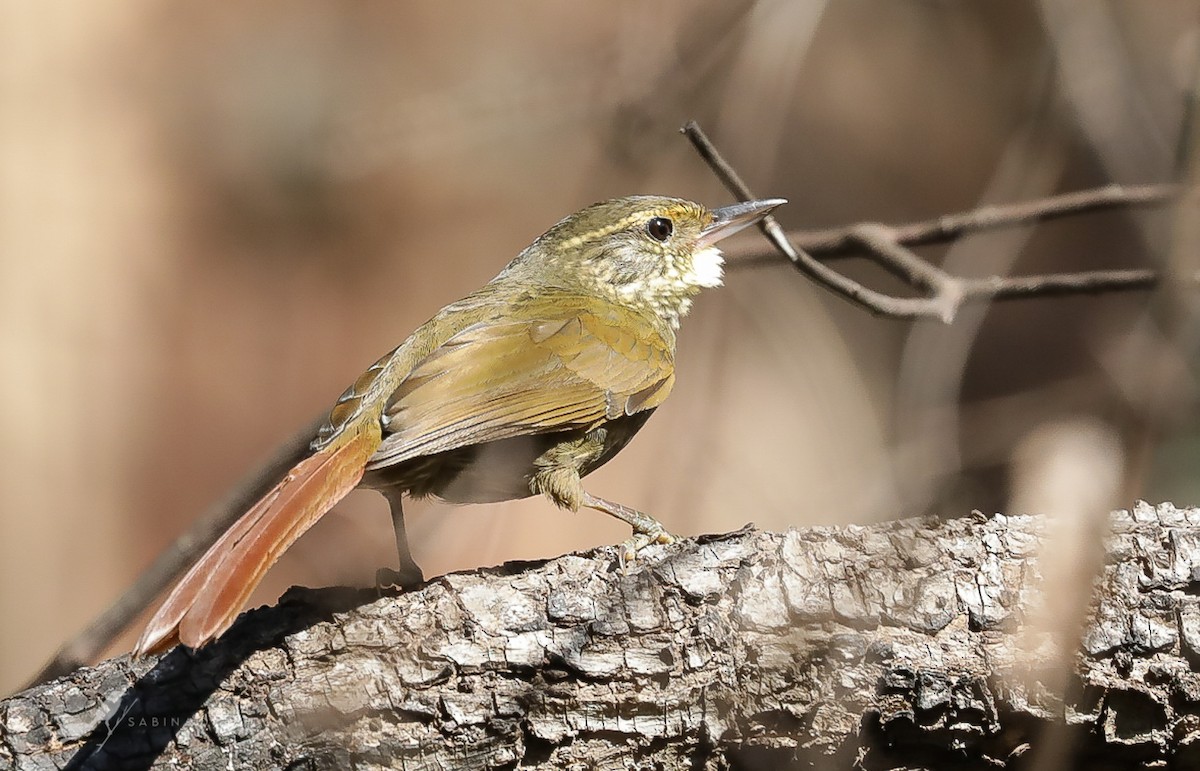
pixel 521 388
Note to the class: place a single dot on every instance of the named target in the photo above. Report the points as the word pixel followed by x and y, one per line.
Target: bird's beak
pixel 730 219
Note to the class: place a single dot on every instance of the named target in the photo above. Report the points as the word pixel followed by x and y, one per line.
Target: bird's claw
pixel 627 553
pixel 388 580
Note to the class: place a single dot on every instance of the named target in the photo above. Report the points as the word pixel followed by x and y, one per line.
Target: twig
pixel 944 293
pixel 1050 284
pixel 841 241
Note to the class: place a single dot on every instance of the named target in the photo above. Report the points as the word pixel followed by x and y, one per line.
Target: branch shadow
pixel 152 711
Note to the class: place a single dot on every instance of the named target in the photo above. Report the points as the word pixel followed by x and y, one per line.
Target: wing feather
pixel 502 379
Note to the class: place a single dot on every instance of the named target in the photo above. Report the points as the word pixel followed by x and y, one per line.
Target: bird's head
pixel 652 253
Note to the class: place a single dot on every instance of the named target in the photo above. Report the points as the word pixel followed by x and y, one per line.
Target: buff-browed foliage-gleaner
pixel 522 387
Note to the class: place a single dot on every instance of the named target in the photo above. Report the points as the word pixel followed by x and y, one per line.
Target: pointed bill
pixel 728 220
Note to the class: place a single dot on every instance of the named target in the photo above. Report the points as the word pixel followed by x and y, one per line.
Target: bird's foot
pixel 627 553
pixel 646 529
pixel 388 580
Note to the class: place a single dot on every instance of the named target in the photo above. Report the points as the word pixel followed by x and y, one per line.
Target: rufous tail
pixel 207 600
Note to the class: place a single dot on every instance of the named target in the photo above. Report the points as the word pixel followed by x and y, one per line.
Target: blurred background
pixel 213 216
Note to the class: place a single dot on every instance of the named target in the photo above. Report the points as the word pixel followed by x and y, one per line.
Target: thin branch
pixel 1051 284
pixel 868 298
pixel 841 241
pixel 944 293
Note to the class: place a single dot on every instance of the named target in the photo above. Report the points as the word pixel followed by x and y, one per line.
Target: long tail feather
pixel 207 600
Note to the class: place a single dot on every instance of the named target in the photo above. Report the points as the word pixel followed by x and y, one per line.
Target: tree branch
pixel 945 294
pixel 901 644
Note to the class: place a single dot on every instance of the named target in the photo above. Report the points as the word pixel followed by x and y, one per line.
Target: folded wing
pixel 497 380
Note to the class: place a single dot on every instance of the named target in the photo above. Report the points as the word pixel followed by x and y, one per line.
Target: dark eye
pixel 660 228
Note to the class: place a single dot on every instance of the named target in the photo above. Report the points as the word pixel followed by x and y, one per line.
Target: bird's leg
pixel 557 475
pixel 646 529
pixel 409 574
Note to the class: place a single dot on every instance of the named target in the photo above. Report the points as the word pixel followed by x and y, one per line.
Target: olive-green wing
pixel 501 379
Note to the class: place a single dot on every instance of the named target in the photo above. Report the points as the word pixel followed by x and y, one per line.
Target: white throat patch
pixel 670 294
pixel 707 268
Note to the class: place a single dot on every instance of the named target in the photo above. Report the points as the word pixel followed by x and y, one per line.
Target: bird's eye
pixel 660 228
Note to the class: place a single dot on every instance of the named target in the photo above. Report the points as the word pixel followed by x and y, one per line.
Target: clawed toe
pixel 627 552
pixel 387 579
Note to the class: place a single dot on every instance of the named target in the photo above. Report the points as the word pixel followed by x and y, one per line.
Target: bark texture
pixel 905 644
